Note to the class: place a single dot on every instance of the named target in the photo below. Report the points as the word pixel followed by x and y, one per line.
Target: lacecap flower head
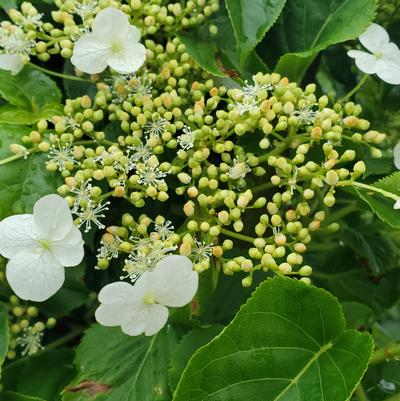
pixel 39 246
pixel 384 59
pixel 142 307
pixel 113 42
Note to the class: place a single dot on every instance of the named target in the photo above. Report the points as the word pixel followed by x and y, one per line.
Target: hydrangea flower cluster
pixel 254 167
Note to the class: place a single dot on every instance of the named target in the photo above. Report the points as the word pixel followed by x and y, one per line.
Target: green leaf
pixel 188 345
pixel 32 96
pixel 381 205
pixel 349 279
pixel 11 396
pixel 124 368
pixel 27 377
pixel 251 23
pixel 376 250
pixel 288 342
pixel 202 52
pixel 4 334
pixel 308 26
pixel 7 4
pixel 23 181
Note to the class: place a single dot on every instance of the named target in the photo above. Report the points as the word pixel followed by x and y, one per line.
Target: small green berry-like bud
pixel 329 199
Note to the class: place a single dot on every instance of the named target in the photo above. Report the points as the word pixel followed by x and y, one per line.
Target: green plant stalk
pixel 60 75
pixel 361 394
pixel 241 237
pixel 355 89
pixel 389 352
pixel 11 159
pixel 395 397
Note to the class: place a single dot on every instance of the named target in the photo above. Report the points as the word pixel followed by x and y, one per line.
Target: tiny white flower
pixel 109 250
pixel 305 114
pixel 164 231
pixel 30 341
pixel 141 152
pixel 60 155
pixel 156 127
pixel 91 214
pixel 143 307
pixel 247 105
pixel 238 170
pixel 82 194
pixel 256 89
pixel 151 176
pixel 186 140
pixel 385 58
pixel 113 42
pixel 39 246
pixel 201 251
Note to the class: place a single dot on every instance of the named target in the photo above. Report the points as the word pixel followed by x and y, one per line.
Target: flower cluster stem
pixel 389 352
pixel 241 237
pixel 355 89
pixel 60 75
pixel 11 159
pixel 361 394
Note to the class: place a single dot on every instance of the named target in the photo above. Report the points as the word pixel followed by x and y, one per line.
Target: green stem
pixel 355 89
pixel 262 187
pixel 389 352
pixel 59 75
pixel 361 394
pixel 11 158
pixel 344 211
pixel 241 237
pixel 57 343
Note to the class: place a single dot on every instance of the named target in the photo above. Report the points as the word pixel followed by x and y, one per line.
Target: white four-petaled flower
pixel 385 58
pixel 113 42
pixel 39 246
pixel 142 307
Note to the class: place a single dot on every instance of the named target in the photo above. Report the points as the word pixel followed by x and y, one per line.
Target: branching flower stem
pixel 60 75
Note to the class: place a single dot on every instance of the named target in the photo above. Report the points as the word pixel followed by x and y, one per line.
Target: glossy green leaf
pixel 381 205
pixel 288 342
pixel 308 26
pixel 118 367
pixel 4 334
pixel 32 96
pixel 186 348
pixel 22 181
pixel 202 52
pixel 347 277
pixel 250 23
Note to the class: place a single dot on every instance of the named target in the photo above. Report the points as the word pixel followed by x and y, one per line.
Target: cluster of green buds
pixel 73 18
pixel 26 328
pixel 255 168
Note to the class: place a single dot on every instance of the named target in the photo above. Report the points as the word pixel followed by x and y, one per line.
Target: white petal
pixel 396 155
pixel 397 205
pixel 34 276
pixel 90 54
pixel 391 52
pixel 11 62
pixel 113 315
pixel 149 320
pixel 374 38
pixel 388 71
pixel 110 23
pixel 118 292
pixel 364 61
pixel 17 233
pixel 128 60
pixel 69 250
pixel 53 217
pixel 173 280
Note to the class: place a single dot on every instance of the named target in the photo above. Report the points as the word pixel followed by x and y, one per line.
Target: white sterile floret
pixel 113 42
pixel 142 307
pixel 396 155
pixel 12 62
pixel 39 246
pixel 385 58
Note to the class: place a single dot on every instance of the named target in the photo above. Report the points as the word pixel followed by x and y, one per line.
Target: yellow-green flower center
pixel 149 299
pixel 45 244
